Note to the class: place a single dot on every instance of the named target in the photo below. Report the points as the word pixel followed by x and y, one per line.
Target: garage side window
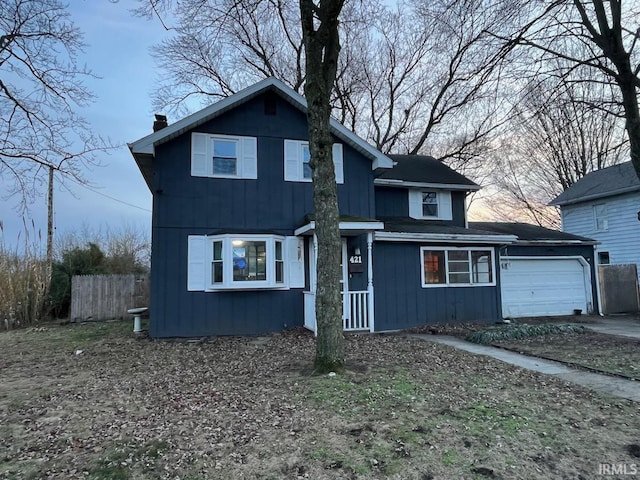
pixel 457 267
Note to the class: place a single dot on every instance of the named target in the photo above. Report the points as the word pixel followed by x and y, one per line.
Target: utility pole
pixel 49 228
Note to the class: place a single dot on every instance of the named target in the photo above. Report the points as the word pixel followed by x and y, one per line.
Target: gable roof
pixel 423 171
pixel 606 182
pixel 528 233
pixel 144 149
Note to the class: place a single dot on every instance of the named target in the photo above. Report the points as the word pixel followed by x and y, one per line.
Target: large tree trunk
pixel 322 47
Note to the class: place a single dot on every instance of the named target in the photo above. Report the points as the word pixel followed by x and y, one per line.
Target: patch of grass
pixel 514 331
pixel 119 461
pixel 89 332
pixel 350 395
pixel 450 458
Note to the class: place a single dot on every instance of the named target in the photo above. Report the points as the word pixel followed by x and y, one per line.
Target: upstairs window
pixel 456 267
pixel 430 204
pixel 223 156
pixel 600 218
pixel 297 157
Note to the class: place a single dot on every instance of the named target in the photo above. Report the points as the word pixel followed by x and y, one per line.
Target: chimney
pixel 160 122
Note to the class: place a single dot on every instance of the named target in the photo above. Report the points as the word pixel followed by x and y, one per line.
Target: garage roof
pixel 528 233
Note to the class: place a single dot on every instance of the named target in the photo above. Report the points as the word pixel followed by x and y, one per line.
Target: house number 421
pixel 355 259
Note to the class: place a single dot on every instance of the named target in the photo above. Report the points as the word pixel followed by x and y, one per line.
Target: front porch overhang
pixel 349 226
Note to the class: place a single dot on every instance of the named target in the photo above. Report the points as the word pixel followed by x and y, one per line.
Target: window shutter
pixel 200 164
pixel 338 162
pixel 249 155
pixel 415 204
pixel 196 263
pixel 292 161
pixel 444 205
pixel 295 261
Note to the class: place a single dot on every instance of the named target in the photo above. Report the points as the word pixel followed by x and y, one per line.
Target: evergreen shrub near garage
pixel 515 331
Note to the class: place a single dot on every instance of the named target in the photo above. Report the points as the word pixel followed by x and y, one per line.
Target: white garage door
pixel 540 286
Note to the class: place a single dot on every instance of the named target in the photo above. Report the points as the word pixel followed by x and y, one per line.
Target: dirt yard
pixel 234 408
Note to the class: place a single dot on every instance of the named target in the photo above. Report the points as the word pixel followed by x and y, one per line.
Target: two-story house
pixel 605 205
pixel 233 232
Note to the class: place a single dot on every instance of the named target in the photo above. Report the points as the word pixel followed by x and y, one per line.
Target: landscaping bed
pixel 93 401
pixel 606 353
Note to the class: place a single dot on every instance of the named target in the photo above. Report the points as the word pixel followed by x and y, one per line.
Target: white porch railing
pixel 355 311
pixel 310 311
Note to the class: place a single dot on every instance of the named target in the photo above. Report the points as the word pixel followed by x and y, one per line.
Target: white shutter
pixel 196 263
pixel 200 164
pixel 292 161
pixel 338 162
pixel 249 157
pixel 444 205
pixel 295 261
pixel 415 204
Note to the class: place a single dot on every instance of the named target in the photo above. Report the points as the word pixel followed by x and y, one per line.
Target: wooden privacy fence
pixel 619 288
pixel 102 297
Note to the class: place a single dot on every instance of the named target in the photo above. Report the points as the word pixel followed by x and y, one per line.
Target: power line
pixel 107 196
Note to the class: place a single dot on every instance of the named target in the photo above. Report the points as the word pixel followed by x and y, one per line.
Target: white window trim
pixel 605 219
pixel 444 202
pixel 200 260
pixel 446 267
pixel 227 263
pixel 202 156
pixel 294 166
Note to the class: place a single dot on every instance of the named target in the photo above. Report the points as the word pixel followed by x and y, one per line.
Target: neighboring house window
pixel 600 217
pixel 244 262
pixel 297 157
pixel 430 204
pixel 603 258
pixel 457 267
pixel 223 156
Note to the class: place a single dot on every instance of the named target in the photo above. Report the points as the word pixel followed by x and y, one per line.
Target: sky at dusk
pixel 118 52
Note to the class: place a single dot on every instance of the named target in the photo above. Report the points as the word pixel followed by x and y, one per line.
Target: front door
pixel 344 278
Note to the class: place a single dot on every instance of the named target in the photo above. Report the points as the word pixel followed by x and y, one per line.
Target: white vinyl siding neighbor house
pixel 605 206
pixel 621 237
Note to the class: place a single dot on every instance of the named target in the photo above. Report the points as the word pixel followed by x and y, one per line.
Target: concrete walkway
pixel 607 384
pixel 624 325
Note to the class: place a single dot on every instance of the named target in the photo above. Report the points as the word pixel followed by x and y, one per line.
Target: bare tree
pixel 322 47
pixel 600 36
pixel 557 137
pixel 412 77
pixel 40 91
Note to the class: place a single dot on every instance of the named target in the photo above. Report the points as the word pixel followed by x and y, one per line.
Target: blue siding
pixel 401 302
pixel 584 251
pixel 175 312
pixel 184 205
pixel 394 202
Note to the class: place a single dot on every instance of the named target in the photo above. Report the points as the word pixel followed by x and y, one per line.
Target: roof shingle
pixel 606 182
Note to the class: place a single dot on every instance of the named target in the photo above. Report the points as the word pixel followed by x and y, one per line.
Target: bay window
pixel 244 262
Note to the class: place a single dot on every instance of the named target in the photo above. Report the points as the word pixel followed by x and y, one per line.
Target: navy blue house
pixel 233 234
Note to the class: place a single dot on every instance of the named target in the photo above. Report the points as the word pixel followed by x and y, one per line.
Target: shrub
pixel 523 330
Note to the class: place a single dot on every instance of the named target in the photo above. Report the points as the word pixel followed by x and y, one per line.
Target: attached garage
pixel 545 272
pixel 545 286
